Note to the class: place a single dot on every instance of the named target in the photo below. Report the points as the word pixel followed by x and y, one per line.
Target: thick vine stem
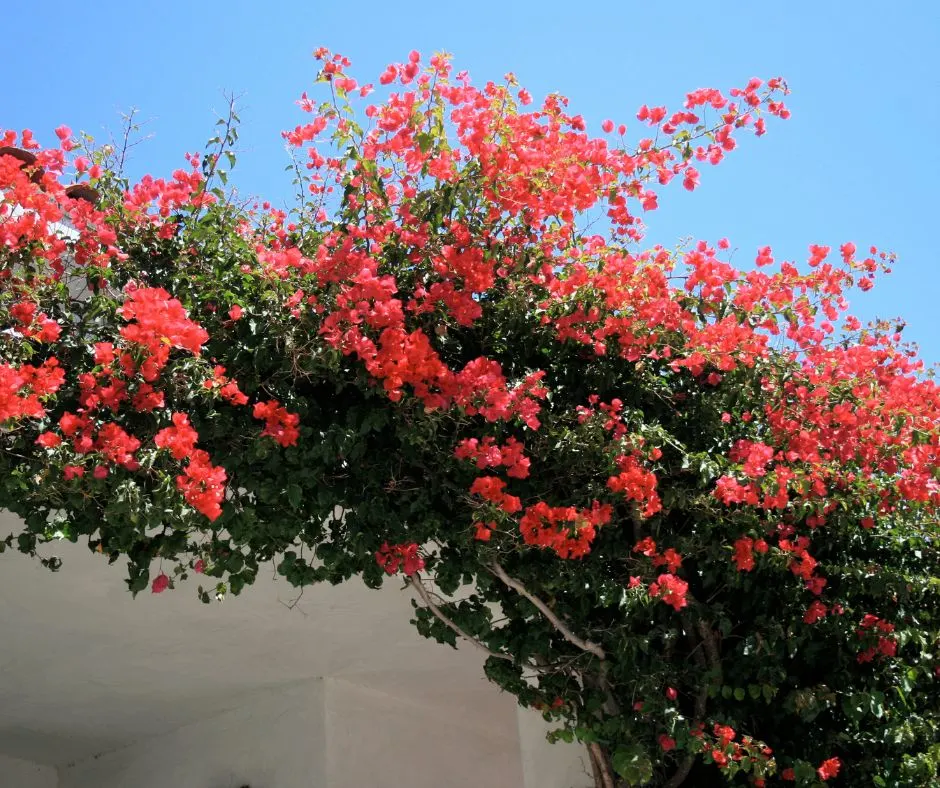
pixel 688 762
pixel 600 766
pixel 711 648
pixel 600 683
pixel 554 620
pixel 709 659
pixel 415 581
pixel 595 767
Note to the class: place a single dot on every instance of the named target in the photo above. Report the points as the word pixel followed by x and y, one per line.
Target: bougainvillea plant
pixel 703 498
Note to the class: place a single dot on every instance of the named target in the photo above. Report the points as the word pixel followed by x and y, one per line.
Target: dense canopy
pixel 688 509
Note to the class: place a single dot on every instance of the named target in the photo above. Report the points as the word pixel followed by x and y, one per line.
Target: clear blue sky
pixel 858 160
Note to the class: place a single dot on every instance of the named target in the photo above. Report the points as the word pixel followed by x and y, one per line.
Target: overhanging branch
pixel 564 629
pixel 415 581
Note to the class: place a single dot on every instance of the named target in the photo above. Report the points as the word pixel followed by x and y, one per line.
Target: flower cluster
pixel 487 454
pixel 24 388
pixel 158 322
pixel 492 489
pixel 226 388
pixel 636 484
pixel 566 530
pixel 278 423
pixel 201 483
pixel 872 628
pixel 32 325
pixel 744 549
pixel 671 590
pixel 399 556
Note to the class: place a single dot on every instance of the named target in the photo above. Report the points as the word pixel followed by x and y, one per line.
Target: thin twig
pixel 584 645
pixel 418 586
pixel 294 602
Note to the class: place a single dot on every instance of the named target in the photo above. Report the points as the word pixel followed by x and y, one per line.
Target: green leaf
pixel 877 703
pixel 855 706
pixel 294 495
pixel 632 764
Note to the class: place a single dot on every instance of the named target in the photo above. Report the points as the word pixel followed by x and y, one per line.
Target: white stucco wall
pixel 140 668
pixel 15 773
pixel 274 740
pixel 335 691
pixel 375 740
pixel 334 734
pixel 544 765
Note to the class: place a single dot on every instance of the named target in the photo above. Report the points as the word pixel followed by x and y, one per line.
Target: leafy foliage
pixel 707 514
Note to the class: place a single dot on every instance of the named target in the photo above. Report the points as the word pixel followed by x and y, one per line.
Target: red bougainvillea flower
pixel 70 472
pixel 744 554
pixel 829 769
pixel 49 440
pixel 816 612
pixel 160 584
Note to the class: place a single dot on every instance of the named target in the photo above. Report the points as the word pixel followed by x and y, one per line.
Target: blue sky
pixel 857 161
